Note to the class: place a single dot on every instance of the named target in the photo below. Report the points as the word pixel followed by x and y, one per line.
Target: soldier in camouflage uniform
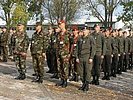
pixel 73 47
pixel 38 49
pixel 13 42
pixel 21 46
pixel 4 44
pixel 63 54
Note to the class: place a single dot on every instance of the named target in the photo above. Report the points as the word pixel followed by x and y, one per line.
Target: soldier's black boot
pixel 36 79
pixel 65 83
pixel 76 78
pixel 97 80
pixel 23 76
pixel 60 84
pixel 105 76
pixel 40 80
pixel 18 77
pixel 55 76
pixel 94 80
pixel 73 78
pixel 83 86
pixel 86 88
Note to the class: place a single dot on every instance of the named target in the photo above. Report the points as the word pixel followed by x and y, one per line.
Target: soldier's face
pixel 38 27
pixel 97 28
pixel 107 33
pixel 75 32
pixel 62 25
pixel 81 33
pixel 86 32
pixel 4 29
pixel 20 27
pixel 120 33
pixel 58 30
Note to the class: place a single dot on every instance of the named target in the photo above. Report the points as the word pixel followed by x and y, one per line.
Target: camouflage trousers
pixel 73 66
pixel 38 64
pixel 20 63
pixel 63 64
pixel 4 51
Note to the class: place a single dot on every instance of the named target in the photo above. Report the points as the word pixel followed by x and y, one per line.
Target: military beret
pixel 38 24
pixel 4 27
pixel 20 23
pixel 74 28
pixel 96 25
pixel 61 21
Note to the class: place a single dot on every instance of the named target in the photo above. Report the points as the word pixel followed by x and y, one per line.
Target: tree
pixel 6 6
pixel 61 9
pixel 20 13
pixel 127 15
pixel 11 16
pixel 102 9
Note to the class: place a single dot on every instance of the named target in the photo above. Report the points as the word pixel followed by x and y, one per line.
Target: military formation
pixel 71 54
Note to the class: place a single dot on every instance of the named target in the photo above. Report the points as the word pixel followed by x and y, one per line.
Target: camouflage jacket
pixel 63 45
pixel 4 39
pixel 21 43
pixel 39 43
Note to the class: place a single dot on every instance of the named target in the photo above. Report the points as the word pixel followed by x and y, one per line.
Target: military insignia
pixel 61 42
pixel 75 45
pixel 83 41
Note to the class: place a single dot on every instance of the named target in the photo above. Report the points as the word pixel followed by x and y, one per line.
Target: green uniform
pixel 107 58
pixel 121 52
pixel 51 52
pixel 100 50
pixel 4 46
pixel 115 56
pixel 38 47
pixel 85 51
pixel 21 46
pixel 127 49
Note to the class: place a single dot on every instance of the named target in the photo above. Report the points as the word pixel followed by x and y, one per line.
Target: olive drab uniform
pixel 127 50
pixel 131 53
pixel 121 52
pixel 100 50
pixel 115 56
pixel 38 47
pixel 21 46
pixel 51 53
pixel 63 57
pixel 85 51
pixel 4 46
pixel 107 58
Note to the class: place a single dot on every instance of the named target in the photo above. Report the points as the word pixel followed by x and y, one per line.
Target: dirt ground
pixel 120 88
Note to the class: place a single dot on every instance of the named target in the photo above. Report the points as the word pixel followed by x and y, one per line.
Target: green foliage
pixel 20 14
pixel 127 12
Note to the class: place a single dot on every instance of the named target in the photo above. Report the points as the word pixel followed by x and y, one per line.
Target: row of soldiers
pixel 73 54
pixel 85 53
pixel 7 43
